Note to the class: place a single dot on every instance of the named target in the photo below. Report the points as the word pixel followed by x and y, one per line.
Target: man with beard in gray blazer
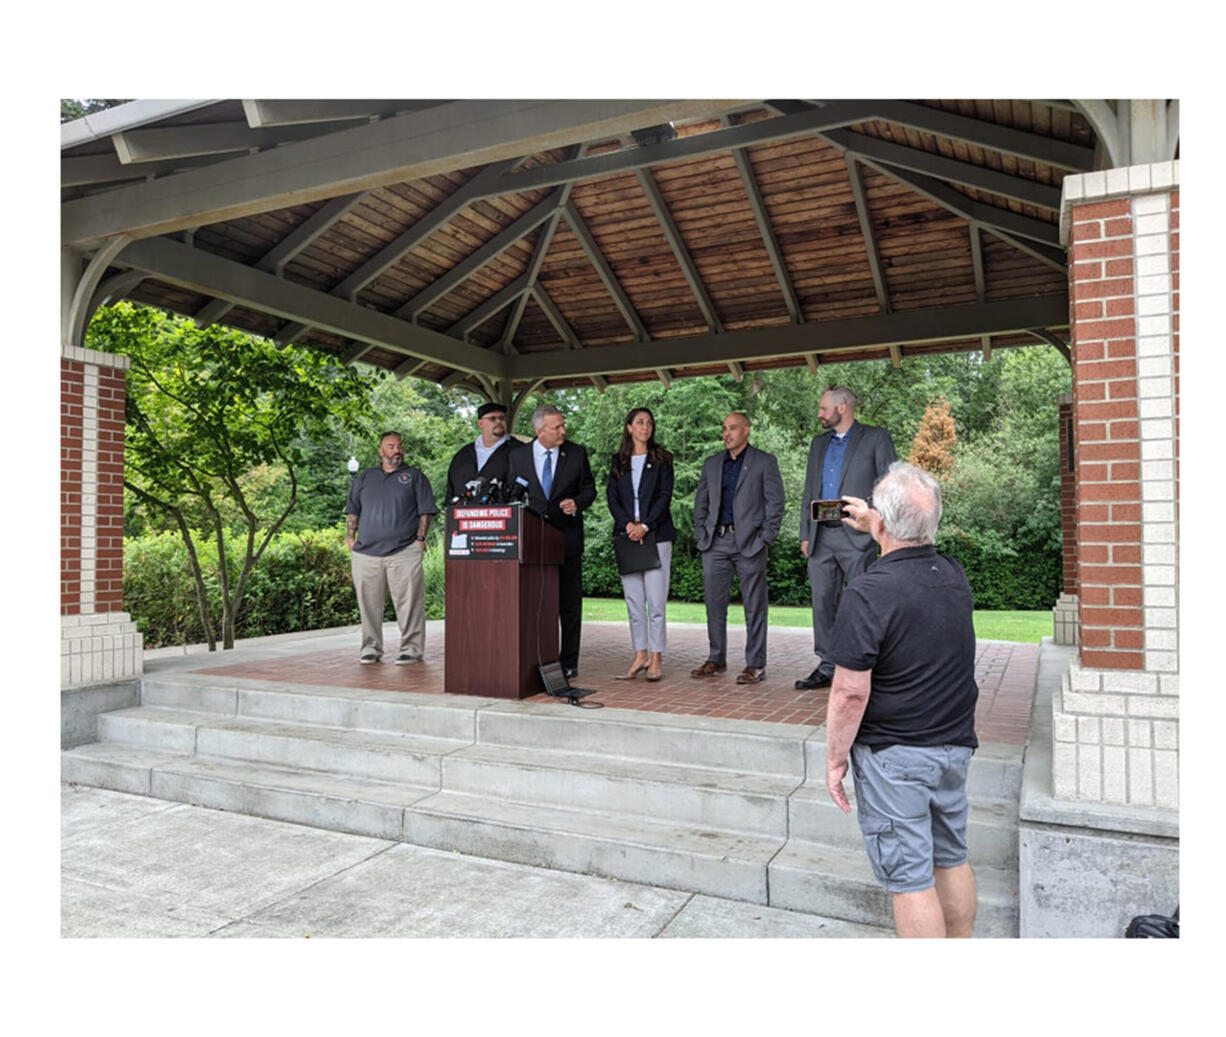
pixel 847 460
pixel 738 510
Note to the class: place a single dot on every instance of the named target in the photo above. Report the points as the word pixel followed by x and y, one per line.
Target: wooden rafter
pixel 656 200
pixel 604 271
pixel 472 263
pixel 538 258
pixel 449 136
pixel 769 241
pixel 866 231
pixel 496 302
pixel 1011 316
pixel 551 311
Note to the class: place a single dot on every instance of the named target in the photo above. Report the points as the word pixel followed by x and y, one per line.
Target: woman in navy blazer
pixel 640 496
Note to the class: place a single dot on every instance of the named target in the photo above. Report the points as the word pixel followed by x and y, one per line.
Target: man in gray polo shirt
pixel 389 512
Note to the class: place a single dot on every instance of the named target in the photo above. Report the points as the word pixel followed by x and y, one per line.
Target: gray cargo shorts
pixel 911 804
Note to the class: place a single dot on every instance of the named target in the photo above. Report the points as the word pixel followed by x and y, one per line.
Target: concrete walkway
pixel 133 866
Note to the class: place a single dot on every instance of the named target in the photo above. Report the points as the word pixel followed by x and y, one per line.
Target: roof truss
pixel 349 143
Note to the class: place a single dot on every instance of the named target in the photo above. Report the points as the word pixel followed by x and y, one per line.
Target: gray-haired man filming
pixel 902 707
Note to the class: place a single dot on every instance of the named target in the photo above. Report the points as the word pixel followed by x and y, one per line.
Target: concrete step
pixel 321 800
pixel 703 797
pixel 839 883
pixel 121 768
pixel 690 741
pixel 995 772
pixel 350 708
pixel 394 757
pixel 722 864
pixel 991 828
pixel 693 803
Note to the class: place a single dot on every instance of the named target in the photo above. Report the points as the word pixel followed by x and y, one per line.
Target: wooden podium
pixel 502 600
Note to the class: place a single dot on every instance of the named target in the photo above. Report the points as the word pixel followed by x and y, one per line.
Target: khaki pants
pixel 400 573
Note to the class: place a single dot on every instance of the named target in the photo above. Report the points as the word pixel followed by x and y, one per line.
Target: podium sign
pixel 502 619
pixel 486 533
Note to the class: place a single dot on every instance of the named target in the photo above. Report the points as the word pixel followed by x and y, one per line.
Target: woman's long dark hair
pixel 655 453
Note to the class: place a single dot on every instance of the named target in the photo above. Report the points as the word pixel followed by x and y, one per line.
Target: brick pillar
pixel 1116 717
pixel 98 642
pixel 1066 614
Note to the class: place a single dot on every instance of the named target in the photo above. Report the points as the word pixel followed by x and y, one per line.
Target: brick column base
pixel 1115 716
pixel 1065 622
pixel 1115 737
pixel 99 643
pixel 99 648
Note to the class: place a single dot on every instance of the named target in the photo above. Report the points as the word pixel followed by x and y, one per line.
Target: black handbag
pixel 636 556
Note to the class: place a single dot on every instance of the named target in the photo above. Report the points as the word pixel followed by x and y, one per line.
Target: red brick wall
pixel 72 399
pixel 109 574
pixel 108 520
pixel 1107 435
pixel 1068 501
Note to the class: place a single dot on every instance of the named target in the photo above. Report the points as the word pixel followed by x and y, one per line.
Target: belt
pixel 725 530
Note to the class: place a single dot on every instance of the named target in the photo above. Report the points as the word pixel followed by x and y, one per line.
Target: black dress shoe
pixel 819 678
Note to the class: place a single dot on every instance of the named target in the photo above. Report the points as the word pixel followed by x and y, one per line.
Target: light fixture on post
pixel 353 465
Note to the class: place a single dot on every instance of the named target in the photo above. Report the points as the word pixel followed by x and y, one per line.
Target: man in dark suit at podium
pixel 486 458
pixel 560 488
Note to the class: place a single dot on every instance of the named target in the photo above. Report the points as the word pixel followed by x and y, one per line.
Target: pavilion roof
pixel 506 245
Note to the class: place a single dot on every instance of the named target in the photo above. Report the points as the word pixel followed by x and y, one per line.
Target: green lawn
pixel 1028 627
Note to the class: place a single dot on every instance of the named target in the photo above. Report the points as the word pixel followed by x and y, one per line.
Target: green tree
pixel 1006 484
pixel 72 108
pixel 207 408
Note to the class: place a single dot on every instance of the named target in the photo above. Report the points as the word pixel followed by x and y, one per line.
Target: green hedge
pixel 1006 576
pixel 1002 575
pixel 303 581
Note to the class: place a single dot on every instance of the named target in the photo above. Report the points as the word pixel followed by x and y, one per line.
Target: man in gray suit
pixel 738 510
pixel 847 460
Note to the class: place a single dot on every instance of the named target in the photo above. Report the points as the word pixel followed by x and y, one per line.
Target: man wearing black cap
pixel 485 458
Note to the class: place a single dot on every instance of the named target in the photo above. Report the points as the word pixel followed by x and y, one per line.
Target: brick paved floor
pixel 1005 672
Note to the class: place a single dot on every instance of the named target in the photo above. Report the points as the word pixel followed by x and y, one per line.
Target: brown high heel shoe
pixel 634 672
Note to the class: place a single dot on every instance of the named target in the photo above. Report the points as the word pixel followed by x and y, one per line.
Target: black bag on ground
pixel 1149 927
pixel 636 556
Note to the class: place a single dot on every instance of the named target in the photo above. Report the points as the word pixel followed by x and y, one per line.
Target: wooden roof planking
pixel 929 226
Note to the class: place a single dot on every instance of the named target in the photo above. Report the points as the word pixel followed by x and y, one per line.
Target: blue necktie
pixel 547 474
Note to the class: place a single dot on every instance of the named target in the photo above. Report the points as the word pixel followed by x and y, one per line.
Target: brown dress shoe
pixel 750 676
pixel 708 668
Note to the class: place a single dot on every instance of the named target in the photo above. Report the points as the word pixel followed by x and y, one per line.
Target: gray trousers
pixel 646 600
pixel 834 561
pixel 401 574
pixel 719 562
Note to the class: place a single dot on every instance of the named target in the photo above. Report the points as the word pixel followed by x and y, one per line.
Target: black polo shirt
pixel 908 619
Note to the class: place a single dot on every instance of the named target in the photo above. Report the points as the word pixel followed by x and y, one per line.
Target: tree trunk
pixel 202 596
